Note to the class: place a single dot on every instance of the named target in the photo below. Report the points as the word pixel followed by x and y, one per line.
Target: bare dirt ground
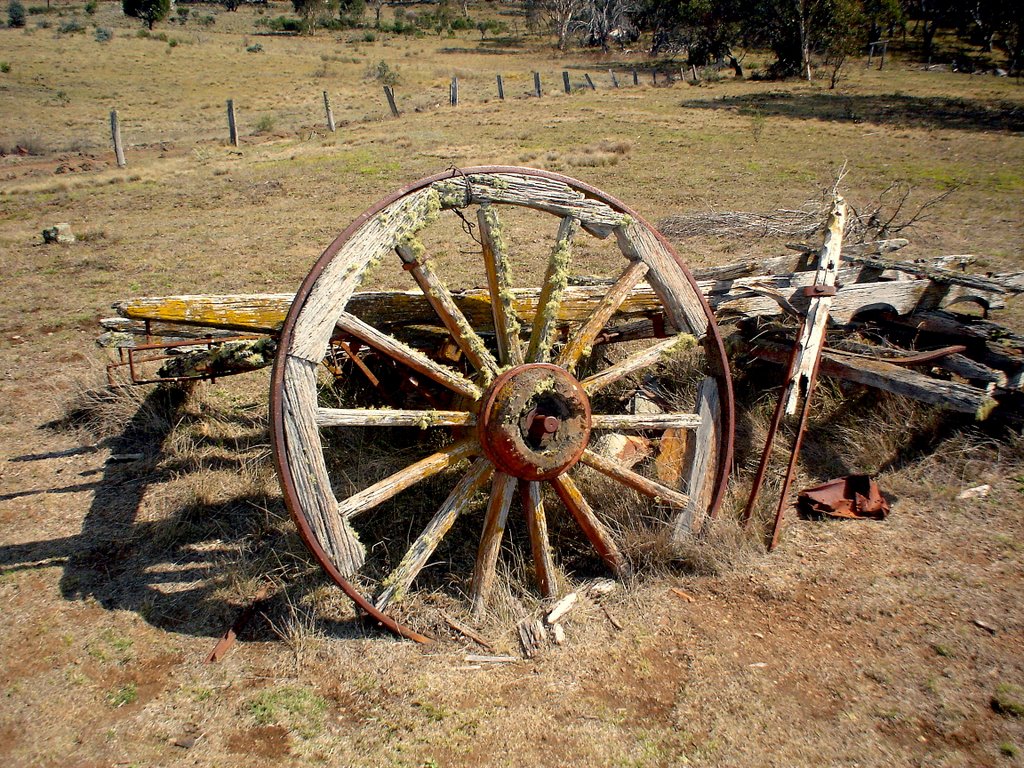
pixel 870 644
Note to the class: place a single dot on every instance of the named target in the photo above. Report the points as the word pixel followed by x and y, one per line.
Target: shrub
pixel 382 73
pixel 70 27
pixel 103 34
pixel 91 6
pixel 207 20
pixel 15 14
pixel 281 24
pixel 265 124
pixel 5 67
pixel 255 48
pixel 183 15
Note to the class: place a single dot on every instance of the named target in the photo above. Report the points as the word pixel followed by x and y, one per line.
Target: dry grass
pixel 117 578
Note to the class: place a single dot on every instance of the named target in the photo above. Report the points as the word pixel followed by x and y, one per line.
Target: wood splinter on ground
pixel 562 607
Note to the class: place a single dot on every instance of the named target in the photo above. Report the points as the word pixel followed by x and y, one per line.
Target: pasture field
pixel 860 644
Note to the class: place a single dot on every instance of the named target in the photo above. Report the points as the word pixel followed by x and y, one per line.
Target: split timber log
pixel 879 374
pixel 746 297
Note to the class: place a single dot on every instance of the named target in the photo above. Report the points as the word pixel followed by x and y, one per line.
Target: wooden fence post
pixel 589 81
pixel 871 54
pixel 115 132
pixel 455 92
pixel 693 71
pixel 881 59
pixel 654 77
pixel 636 78
pixel 615 80
pixel 329 111
pixel 232 125
pixel 565 82
pixel 390 93
pixel 536 84
pixel 501 89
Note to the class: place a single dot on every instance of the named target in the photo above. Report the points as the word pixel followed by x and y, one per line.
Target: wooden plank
pixel 702 461
pixel 393 484
pixel 893 378
pixel 399 580
pixel 306 461
pixel 812 333
pixel 935 274
pixel 502 487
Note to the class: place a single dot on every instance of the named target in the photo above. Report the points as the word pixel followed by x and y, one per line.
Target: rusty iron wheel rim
pixel 716 359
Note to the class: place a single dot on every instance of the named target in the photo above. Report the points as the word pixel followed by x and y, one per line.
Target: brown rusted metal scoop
pixel 853 497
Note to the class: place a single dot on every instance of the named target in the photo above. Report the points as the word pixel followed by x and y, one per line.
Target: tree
pixel 15 14
pixel 311 11
pixel 150 11
pixel 350 12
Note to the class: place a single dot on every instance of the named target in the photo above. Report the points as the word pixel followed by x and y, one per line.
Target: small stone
pixel 59 233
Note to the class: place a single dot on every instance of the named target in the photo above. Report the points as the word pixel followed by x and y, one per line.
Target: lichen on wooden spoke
pixel 394 484
pixel 634 480
pixel 405 354
pixel 580 343
pixel 542 337
pixel 381 417
pixel 507 325
pixel 595 531
pixel 399 580
pixel 633 422
pixel 413 254
pixel 637 361
pixel 502 486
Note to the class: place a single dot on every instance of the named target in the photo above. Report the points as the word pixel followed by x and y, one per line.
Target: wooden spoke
pixel 379 417
pixel 556 277
pixel 405 354
pixel 536 521
pixel 502 486
pixel 592 528
pixel 414 473
pixel 399 580
pixel 412 253
pixel 634 480
pixel 633 422
pixel 499 283
pixel 580 343
pixel 634 362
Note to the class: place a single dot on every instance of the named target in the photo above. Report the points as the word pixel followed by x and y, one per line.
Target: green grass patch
pixel 297 709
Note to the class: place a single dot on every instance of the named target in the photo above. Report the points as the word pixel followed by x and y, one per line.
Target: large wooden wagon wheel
pixel 528 386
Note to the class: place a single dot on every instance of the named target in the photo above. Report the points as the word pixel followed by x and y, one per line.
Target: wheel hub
pixel 535 421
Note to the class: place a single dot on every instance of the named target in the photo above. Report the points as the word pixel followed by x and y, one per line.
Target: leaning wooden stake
pixel 232 126
pixel 390 93
pixel 590 83
pixel 329 111
pixel 802 371
pixel 115 132
pixel 615 80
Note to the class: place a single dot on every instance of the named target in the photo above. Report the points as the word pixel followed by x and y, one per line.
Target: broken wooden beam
pixel 887 377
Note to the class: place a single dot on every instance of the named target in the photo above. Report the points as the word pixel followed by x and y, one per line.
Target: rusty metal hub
pixel 535 421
